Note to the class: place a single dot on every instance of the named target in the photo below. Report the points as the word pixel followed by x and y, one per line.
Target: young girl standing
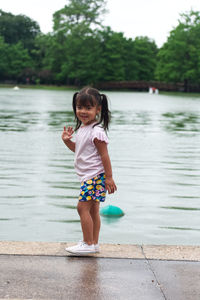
pixel 92 163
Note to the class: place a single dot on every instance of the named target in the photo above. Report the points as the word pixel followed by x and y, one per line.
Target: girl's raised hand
pixel 67 134
pixel 110 185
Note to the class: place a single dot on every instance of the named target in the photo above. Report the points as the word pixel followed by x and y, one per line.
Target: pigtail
pixel 78 123
pixel 105 112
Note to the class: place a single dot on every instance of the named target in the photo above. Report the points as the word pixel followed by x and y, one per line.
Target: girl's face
pixel 87 114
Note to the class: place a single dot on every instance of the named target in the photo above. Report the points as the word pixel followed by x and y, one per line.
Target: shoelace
pixel 81 243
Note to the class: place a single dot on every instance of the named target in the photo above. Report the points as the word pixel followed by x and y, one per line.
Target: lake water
pixel 155 152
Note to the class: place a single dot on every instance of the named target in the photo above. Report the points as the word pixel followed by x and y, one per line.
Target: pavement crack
pixel 156 279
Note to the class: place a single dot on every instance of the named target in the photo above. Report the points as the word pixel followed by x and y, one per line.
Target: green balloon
pixel 111 211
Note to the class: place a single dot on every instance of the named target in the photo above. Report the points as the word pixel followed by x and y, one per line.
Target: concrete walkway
pixel 31 270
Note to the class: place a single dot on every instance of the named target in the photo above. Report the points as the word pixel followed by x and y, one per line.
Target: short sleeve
pixel 99 133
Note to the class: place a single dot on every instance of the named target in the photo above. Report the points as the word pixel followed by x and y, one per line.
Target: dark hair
pixel 92 95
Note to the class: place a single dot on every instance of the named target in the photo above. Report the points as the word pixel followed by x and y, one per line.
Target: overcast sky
pixel 153 18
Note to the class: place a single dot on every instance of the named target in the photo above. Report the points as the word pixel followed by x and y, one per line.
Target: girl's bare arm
pixel 66 137
pixel 103 152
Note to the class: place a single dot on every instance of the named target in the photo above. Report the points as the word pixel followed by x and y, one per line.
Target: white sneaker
pixel 96 247
pixel 69 249
pixel 81 249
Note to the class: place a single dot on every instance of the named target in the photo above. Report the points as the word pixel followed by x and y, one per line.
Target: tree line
pixel 81 51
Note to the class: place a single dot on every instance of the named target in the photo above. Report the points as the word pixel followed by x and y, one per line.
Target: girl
pixel 92 163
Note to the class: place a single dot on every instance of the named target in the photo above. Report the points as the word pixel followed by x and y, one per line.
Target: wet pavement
pixel 92 278
pixel 40 270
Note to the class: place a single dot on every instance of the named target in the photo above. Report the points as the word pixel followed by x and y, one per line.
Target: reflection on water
pixel 110 220
pixel 180 208
pixel 179 228
pixel 135 118
pixel 154 147
pixel 182 121
pixel 65 221
pixel 64 206
pixel 23 121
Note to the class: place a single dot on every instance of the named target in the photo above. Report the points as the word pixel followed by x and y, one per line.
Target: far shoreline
pixel 39 87
pixel 75 88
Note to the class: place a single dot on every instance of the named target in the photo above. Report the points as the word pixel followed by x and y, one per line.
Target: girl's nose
pixel 83 110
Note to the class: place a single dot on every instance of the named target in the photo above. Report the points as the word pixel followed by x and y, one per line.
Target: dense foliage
pixel 179 58
pixel 78 51
pixel 81 51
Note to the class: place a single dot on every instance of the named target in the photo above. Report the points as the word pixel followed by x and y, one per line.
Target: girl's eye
pixel 86 107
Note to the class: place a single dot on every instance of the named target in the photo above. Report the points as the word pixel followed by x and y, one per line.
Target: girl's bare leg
pixel 94 212
pixel 86 221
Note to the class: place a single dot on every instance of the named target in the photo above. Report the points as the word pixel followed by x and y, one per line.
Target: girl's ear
pixel 98 114
pixel 98 109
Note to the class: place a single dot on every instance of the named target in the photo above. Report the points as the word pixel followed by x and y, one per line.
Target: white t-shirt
pixel 88 163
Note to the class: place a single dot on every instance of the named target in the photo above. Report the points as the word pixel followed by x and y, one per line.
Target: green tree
pixel 82 63
pixel 79 16
pixel 179 58
pixel 44 57
pixel 15 28
pixel 130 63
pixel 14 59
pixel 52 55
pixel 112 55
pixel 145 51
pixel 3 58
pixel 18 60
pixel 76 44
pixel 127 59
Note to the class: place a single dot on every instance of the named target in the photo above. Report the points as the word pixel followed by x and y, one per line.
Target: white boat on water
pixel 153 90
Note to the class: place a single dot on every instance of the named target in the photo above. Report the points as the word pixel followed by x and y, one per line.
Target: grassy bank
pixel 67 88
pixel 39 87
pixel 180 94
